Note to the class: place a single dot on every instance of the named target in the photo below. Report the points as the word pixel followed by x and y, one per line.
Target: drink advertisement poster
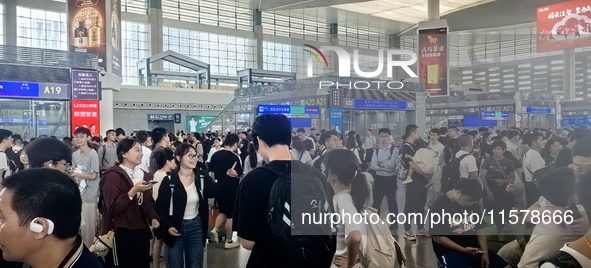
pixel 433 61
pixel 86 113
pixel 86 27
pixel 336 119
pixel 563 26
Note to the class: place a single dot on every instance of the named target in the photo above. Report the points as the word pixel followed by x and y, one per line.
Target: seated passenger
pixel 557 189
pixel 460 243
pixel 40 217
pixel 512 251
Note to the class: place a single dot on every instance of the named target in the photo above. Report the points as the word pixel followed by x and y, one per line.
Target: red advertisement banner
pixel 563 26
pixel 433 61
pixel 86 113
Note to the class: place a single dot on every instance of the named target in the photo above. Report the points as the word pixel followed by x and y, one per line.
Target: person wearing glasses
pixel 183 208
pixel 49 153
pixel 457 241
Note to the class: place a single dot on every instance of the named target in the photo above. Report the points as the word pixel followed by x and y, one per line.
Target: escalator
pixel 232 118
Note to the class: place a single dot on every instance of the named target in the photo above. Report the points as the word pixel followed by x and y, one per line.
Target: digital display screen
pixel 495 116
pixel 34 90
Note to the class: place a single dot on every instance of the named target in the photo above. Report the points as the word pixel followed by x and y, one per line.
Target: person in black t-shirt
pixel 243 146
pixel 221 162
pixel 451 145
pixel 271 138
pixel 48 241
pixel 457 240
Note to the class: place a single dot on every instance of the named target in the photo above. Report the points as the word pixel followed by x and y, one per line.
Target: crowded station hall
pixel 276 133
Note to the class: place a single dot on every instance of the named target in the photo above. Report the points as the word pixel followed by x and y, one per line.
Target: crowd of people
pixel 122 201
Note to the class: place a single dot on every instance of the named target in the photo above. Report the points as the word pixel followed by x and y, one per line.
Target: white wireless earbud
pixel 38 228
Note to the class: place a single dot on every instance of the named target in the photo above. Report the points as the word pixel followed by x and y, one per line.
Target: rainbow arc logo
pixel 317 54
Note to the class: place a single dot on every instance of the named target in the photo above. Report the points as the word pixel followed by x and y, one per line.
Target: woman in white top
pixel 182 207
pixel 165 164
pixel 217 145
pixel 352 146
pixel 298 151
pixel 253 160
pixel 350 196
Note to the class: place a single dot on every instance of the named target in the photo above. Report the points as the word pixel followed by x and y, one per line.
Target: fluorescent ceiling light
pixel 408 11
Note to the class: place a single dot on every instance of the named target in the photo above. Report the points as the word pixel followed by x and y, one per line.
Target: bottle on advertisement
pixel 81 35
pixel 94 33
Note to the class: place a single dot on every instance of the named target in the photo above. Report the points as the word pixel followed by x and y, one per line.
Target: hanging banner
pixel 86 113
pixel 563 26
pixel 86 27
pixel 336 119
pixel 116 37
pixel 433 61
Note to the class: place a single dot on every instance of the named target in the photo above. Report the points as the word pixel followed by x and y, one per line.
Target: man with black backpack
pixel 462 165
pixel 107 153
pixel 269 208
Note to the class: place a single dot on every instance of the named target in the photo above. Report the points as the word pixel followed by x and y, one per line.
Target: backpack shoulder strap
pixel 104 153
pixel 462 157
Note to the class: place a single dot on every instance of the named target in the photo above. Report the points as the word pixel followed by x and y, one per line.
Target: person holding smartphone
pixel 221 162
pixel 460 243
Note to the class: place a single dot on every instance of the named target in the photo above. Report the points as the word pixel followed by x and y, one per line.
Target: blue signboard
pixel 299 116
pixel 34 90
pixel 574 121
pixel 336 119
pixel 381 104
pixel 538 110
pixel 274 109
pixel 495 115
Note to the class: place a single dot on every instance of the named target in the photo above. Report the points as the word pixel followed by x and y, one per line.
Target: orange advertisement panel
pixel 87 27
pixel 563 26
pixel 86 113
pixel 433 61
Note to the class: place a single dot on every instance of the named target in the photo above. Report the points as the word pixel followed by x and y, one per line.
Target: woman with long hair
pixel 165 164
pixel 253 160
pixel 350 195
pixel 182 206
pixel 128 208
pixel 551 150
pixel 351 144
pixel 298 150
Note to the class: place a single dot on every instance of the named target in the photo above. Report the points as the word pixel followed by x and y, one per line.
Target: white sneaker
pixel 408 235
pixel 407 181
pixel 231 245
pixel 214 235
pixel 423 232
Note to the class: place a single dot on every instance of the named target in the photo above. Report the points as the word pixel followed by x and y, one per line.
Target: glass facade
pixel 41 28
pixel 136 47
pixel 226 54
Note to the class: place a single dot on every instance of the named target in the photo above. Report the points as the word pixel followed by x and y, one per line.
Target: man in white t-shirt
pixel 532 161
pixel 146 141
pixel 435 145
pixel 512 141
pixel 5 144
pixel 468 167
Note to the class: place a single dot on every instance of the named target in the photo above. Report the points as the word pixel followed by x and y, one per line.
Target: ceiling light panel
pixel 408 11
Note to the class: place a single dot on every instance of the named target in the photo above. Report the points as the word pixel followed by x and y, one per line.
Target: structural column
pixel 258 37
pixel 107 113
pixel 333 62
pixel 568 78
pixel 156 31
pixel 433 9
pixel 10 26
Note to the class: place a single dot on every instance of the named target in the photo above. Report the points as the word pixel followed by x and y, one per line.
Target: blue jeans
pixel 188 248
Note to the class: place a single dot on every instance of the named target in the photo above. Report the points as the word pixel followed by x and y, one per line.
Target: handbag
pixel 102 244
pixel 510 186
